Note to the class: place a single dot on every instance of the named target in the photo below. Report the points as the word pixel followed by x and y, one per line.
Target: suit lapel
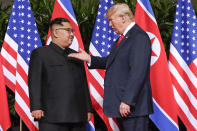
pixel 112 53
pixel 115 50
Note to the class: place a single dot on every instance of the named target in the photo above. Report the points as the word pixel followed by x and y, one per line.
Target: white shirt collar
pixel 128 28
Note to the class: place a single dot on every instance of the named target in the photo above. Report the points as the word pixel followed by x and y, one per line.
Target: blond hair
pixel 120 10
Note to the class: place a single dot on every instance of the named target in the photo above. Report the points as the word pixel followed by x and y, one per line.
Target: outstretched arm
pixel 82 55
pixel 94 62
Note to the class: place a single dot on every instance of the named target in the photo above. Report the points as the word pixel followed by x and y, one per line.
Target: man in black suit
pixel 127 91
pixel 59 96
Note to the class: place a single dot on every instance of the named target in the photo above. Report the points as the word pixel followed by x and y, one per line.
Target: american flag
pixel 20 39
pixel 183 62
pixel 63 9
pixel 165 113
pixel 5 122
pixel 101 42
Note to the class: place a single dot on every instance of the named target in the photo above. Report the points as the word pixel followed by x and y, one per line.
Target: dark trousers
pixel 133 123
pixel 44 126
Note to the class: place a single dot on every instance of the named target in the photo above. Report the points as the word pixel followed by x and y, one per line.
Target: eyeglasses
pixel 69 30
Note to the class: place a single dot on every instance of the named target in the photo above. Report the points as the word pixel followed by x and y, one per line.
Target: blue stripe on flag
pixel 147 5
pixel 159 117
pixel 68 5
pixel 89 127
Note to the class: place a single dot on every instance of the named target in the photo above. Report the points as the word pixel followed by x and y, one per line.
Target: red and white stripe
pixel 96 82
pixel 185 87
pixel 16 78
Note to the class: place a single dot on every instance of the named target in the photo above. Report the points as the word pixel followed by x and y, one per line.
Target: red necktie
pixel 119 40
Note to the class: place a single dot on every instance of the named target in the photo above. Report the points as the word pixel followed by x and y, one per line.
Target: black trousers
pixel 45 126
pixel 133 123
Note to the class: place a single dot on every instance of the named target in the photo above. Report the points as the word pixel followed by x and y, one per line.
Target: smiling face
pixel 63 34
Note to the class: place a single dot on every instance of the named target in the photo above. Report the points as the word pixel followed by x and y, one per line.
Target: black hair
pixel 58 21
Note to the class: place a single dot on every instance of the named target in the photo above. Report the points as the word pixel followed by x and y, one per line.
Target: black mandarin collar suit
pixel 58 85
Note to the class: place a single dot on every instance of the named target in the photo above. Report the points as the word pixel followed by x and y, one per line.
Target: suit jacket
pixel 127 77
pixel 58 85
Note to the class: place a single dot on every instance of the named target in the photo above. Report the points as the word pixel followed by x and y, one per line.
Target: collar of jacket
pixel 61 51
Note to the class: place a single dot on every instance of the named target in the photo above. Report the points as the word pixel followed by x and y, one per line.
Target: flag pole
pixel 21 129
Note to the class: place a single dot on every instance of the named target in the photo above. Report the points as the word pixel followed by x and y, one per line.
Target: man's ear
pixel 125 18
pixel 55 33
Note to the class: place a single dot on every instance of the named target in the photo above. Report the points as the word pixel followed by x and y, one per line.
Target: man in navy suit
pixel 127 90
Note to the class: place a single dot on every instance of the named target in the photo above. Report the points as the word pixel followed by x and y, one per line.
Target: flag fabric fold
pixel 183 63
pixel 102 39
pixel 165 113
pixel 5 122
pixel 63 8
pixel 20 39
pixel 90 125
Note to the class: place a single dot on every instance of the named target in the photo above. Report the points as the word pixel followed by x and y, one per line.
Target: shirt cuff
pixel 89 63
